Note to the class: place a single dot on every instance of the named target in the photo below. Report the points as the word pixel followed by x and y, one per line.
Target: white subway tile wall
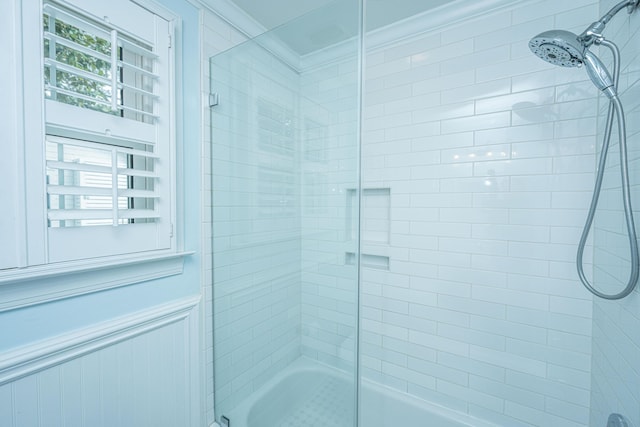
pixel 616 337
pixel 487 154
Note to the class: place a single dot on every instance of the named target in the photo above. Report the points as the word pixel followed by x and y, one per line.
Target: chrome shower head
pixel 558 47
pixel 563 48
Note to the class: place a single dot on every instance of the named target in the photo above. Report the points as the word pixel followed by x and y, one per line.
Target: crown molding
pixel 229 12
pixel 436 19
pixel 234 16
pixel 433 20
pixel 416 26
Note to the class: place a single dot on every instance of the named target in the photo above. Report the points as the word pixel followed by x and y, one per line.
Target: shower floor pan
pixel 309 394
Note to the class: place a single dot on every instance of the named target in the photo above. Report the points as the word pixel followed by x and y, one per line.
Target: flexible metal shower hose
pixel 615 108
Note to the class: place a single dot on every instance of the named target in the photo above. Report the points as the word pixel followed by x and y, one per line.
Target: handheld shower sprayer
pixel 599 74
pixel 566 49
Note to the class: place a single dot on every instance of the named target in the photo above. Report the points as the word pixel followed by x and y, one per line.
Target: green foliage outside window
pixel 79 60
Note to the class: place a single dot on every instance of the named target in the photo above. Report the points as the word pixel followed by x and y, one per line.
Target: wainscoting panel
pixel 134 371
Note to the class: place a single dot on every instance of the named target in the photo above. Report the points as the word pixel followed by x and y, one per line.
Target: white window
pixel 90 132
pixel 108 145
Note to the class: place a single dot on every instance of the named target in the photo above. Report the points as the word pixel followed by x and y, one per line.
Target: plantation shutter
pixel 107 124
pixel 101 69
pixel 91 184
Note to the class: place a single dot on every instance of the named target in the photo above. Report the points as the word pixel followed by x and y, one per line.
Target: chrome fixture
pixel 566 49
pixel 594 31
pixel 617 420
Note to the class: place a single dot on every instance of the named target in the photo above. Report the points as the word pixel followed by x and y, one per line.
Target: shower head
pixel 558 47
pixel 564 48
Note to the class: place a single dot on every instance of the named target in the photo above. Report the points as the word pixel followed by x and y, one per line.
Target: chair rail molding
pixel 36 357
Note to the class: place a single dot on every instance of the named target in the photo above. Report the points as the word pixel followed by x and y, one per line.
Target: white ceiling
pixel 315 24
pixel 272 13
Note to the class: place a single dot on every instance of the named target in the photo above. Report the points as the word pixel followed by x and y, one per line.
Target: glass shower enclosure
pixel 416 251
pixel 285 165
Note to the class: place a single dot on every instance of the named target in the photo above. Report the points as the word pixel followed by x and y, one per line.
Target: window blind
pixel 95 65
pixel 102 90
pixel 97 184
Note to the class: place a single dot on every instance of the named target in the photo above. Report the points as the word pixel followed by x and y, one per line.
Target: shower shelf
pixel 368 261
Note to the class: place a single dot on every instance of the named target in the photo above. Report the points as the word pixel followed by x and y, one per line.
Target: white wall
pixel 487 154
pixel 616 341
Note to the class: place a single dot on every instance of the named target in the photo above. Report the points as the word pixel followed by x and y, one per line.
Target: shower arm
pixel 594 31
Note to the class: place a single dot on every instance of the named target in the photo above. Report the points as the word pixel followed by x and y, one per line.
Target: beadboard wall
pixel 140 369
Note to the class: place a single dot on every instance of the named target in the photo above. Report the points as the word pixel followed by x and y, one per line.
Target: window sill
pixel 35 285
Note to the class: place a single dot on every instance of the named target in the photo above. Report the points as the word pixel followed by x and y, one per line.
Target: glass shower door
pixel 285 224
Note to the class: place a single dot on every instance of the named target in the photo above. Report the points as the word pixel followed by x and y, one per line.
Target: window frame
pixel 21 280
